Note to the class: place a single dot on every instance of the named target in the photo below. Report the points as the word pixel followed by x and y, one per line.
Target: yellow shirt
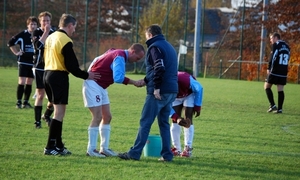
pixel 53 57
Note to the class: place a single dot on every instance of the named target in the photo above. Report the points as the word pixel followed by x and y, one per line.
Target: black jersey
pixel 38 57
pixel 280 56
pixel 23 39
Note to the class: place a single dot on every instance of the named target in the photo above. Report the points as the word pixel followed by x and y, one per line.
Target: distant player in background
pixel 111 66
pixel 38 40
pixel 189 99
pixel 25 58
pixel 277 71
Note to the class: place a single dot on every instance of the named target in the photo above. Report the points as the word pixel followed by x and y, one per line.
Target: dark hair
pixel 137 47
pixel 31 19
pixel 65 19
pixel 275 34
pixel 154 29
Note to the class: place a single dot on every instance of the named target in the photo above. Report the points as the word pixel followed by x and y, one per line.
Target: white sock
pixel 175 136
pixel 104 131
pixel 189 136
pixel 93 138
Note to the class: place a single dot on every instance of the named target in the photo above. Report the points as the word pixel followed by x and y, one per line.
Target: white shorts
pixel 93 94
pixel 186 101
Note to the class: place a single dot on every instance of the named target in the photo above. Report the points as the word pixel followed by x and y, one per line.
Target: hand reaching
pixel 139 83
pixel 94 75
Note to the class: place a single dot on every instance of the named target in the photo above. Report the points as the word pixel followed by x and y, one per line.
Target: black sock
pixel 280 99
pixel 59 142
pixel 38 113
pixel 55 127
pixel 27 92
pixel 48 111
pixel 20 91
pixel 270 96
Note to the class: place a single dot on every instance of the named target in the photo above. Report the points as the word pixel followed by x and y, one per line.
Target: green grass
pixel 234 137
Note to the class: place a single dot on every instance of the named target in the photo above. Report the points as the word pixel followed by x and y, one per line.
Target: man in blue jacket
pixel 162 88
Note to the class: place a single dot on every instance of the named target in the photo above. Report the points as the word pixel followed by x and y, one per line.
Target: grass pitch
pixel 235 138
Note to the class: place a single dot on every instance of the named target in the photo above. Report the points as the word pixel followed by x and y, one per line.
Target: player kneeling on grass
pixel 189 99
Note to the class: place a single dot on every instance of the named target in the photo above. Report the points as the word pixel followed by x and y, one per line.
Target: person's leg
pixel 176 131
pixel 104 130
pixel 55 129
pixel 27 92
pixel 93 131
pixel 57 83
pixel 149 112
pixel 164 108
pixel 189 132
pixel 28 86
pixel 270 96
pixel 47 114
pixel 38 106
pixel 280 97
pixel 20 91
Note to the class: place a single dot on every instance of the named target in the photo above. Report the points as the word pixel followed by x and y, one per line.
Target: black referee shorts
pixel 276 80
pixel 57 86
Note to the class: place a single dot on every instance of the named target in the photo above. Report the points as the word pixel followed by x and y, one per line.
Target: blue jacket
pixel 164 75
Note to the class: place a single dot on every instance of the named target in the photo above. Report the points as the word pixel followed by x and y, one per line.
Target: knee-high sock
pixel 27 92
pixel 48 111
pixel 280 99
pixel 37 113
pixel 54 129
pixel 189 136
pixel 175 136
pixel 20 92
pixel 104 131
pixel 270 96
pixel 93 138
pixel 59 142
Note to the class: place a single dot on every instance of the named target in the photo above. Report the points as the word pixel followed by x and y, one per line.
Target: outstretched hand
pixel 139 83
pixel 94 75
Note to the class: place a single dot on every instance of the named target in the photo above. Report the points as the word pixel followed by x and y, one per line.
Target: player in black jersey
pixel 25 56
pixel 38 40
pixel 277 71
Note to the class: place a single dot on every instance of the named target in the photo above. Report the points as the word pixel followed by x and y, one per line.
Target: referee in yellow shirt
pixel 60 60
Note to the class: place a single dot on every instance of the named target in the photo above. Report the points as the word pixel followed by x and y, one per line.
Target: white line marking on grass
pixel 287 129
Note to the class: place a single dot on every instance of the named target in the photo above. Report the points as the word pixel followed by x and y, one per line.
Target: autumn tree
pixel 156 13
pixel 282 17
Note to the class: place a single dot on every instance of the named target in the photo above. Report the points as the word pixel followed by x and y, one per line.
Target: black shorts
pixel 271 79
pixel 57 86
pixel 39 79
pixel 25 71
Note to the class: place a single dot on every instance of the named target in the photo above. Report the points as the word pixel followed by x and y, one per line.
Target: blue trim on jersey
pixel 197 90
pixel 118 68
